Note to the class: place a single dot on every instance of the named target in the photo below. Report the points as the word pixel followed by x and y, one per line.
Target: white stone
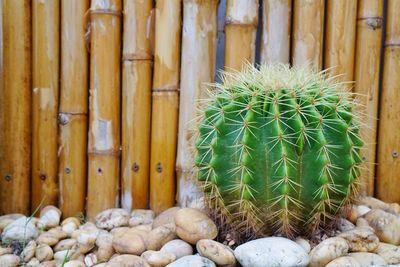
pixel 9 260
pixel 328 250
pixel 112 218
pixel 49 217
pixel 20 230
pixel 178 247
pixel 192 261
pixel 305 244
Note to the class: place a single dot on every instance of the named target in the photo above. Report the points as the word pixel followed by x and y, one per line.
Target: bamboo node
pixel 105 12
pixel 136 56
pixel 166 89
pixel 108 153
pixel 392 45
pixel 232 21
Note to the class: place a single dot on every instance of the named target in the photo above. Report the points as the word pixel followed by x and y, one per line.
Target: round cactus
pixel 278 149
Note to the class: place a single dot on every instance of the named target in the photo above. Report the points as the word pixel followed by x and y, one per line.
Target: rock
pixel 90 259
pixel 9 218
pixel 178 247
pixel 390 253
pixel 19 230
pixel 165 217
pixel 141 216
pixel 48 239
pixel 351 213
pixel 144 227
pixel 362 210
pixel 33 263
pixel 43 253
pixel 193 225
pixel 7 250
pixel 361 222
pixel 386 226
pixel 220 254
pixel 158 258
pixel 86 234
pixel 74 263
pixel 28 252
pixel 305 244
pixel 345 225
pixel 49 217
pixel 48 264
pixel 118 230
pixel 328 250
pixel 374 203
pixel 58 233
pixel 360 240
pixel 9 260
pixel 366 259
pixel 70 224
pixel 129 242
pixel 64 245
pixel 157 237
pixel 112 218
pixel 128 261
pixel 271 251
pixel 344 261
pixel 104 243
pixel 192 261
pixel 62 256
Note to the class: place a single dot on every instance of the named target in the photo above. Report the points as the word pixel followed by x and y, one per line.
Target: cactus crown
pixel 278 149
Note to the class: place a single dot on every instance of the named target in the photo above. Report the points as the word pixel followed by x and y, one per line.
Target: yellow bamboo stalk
pixel 240 32
pixel 388 183
pixel 15 105
pixel 165 103
pixel 104 105
pixel 72 165
pixel 45 83
pixel 366 73
pixel 275 44
pixel 198 45
pixel 340 38
pixel 308 32
pixel 136 103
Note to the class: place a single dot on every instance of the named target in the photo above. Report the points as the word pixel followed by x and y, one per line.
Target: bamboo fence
pixel 98 97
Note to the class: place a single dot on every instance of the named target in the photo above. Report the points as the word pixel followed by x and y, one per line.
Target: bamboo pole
pixel 388 183
pixel 275 44
pixel 72 168
pixel 136 103
pixel 308 28
pixel 198 45
pixel 240 32
pixel 45 83
pixel 15 104
pixel 165 103
pixel 104 106
pixel 366 73
pixel 340 38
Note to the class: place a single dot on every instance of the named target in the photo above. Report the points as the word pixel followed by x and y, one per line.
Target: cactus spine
pixel 278 149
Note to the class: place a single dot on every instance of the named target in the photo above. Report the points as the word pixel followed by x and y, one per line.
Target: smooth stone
pixel 58 232
pixel 390 253
pixel 9 260
pixel 128 261
pixel 361 222
pixel 129 242
pixel 220 254
pixel 271 251
pixel 90 259
pixel 9 218
pixel 64 244
pixel 366 259
pixel 386 226
pixel 362 210
pixel 70 224
pixel 48 239
pixel 178 247
pixel 360 240
pixel 345 225
pixel 74 263
pixel 375 203
pixel 19 230
pixel 328 250
pixel 43 252
pixel 29 251
pixel 192 261
pixel 7 250
pixel 104 246
pixel 112 218
pixel 304 243
pixel 344 261
pixel 61 256
pixel 86 234
pixel 166 217
pixel 157 237
pixel 48 264
pixel 49 217
pixel 158 258
pixel 141 216
pixel 193 225
pixel 33 263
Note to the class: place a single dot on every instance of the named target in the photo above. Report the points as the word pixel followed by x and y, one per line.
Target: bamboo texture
pixel 240 32
pixel 366 73
pixel 389 135
pixel 308 31
pixel 72 168
pixel 45 83
pixel 165 103
pixel 198 45
pixel 136 103
pixel 15 107
pixel 275 43
pixel 340 38
pixel 104 106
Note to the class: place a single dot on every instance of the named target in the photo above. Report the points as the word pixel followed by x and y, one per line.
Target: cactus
pixel 278 149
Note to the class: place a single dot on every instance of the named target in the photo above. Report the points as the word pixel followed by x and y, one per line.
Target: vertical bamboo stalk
pixel 240 32
pixel 308 32
pixel 366 73
pixel 15 104
pixel 165 103
pixel 198 45
pixel 45 82
pixel 275 45
pixel 72 168
pixel 104 105
pixel 388 183
pixel 340 38
pixel 136 103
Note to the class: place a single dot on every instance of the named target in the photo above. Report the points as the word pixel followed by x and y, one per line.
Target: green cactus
pixel 278 149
